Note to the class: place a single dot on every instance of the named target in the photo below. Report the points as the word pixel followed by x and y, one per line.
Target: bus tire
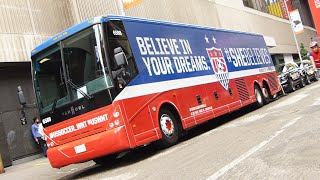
pixel 259 96
pixel 266 94
pixel 169 128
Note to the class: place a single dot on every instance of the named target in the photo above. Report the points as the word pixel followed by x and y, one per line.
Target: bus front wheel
pixel 169 128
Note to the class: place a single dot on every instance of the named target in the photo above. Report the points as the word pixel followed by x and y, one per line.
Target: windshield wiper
pixel 54 105
pixel 78 89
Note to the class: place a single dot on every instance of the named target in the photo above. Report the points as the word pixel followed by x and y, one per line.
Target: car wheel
pixel 169 128
pixel 292 87
pixel 308 80
pixel 316 78
pixel 302 82
pixel 259 96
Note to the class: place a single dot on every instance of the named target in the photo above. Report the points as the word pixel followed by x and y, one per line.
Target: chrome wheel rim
pixel 265 93
pixel 293 87
pixel 167 126
pixel 303 82
pixel 258 96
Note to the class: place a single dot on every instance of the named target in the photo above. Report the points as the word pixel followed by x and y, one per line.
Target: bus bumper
pixel 104 143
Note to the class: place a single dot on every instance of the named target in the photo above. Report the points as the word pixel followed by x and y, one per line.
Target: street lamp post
pixel 120 7
pixel 294 34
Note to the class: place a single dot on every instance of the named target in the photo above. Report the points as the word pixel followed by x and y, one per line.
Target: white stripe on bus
pixel 156 87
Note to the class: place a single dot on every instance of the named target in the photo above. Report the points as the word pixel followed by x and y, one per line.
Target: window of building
pixel 277 8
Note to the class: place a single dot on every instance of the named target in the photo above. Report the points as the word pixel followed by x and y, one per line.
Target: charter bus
pixel 113 83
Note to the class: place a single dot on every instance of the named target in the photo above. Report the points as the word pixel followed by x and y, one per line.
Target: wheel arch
pixel 265 83
pixel 172 108
pixel 163 141
pixel 256 83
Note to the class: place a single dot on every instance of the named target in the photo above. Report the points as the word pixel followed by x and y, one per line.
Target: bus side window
pixel 119 46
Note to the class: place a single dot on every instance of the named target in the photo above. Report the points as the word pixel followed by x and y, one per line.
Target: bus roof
pixel 85 24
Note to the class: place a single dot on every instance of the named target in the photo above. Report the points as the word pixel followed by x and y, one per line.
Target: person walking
pixel 38 137
pixel 314 56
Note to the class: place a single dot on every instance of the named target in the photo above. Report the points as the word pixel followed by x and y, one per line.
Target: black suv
pixel 290 76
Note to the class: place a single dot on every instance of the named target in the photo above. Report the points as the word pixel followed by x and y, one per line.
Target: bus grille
pixel 242 89
pixel 273 81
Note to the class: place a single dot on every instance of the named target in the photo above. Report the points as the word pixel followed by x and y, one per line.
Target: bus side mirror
pixel 119 56
pixel 22 99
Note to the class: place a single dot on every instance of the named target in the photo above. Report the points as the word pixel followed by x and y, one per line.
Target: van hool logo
pixel 219 64
pixel 72 110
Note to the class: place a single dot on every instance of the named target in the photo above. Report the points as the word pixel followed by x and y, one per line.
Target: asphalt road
pixel 278 141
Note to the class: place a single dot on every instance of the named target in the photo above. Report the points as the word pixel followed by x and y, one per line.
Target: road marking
pixel 66 172
pixel 312 87
pixel 166 152
pixel 317 102
pixel 122 176
pixel 240 121
pixel 289 101
pixel 237 161
pixel 39 164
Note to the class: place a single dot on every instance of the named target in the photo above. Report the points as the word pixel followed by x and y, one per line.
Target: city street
pixel 278 141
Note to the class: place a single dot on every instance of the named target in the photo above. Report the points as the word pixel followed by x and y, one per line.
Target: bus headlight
pixel 116 114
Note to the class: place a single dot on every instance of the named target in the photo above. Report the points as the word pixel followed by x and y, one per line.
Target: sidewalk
pixel 27 170
pixel 39 169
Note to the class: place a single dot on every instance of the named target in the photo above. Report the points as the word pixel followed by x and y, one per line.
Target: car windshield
pixel 81 72
pixel 280 68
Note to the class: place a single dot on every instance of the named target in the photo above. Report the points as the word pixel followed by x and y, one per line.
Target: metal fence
pixel 19 140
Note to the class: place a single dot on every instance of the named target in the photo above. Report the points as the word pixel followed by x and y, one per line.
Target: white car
pixel 307 70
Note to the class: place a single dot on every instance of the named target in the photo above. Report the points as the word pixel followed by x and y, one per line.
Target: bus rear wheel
pixel 266 94
pixel 259 96
pixel 169 128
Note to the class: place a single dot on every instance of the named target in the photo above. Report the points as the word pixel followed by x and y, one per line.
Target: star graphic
pixel 214 40
pixel 206 38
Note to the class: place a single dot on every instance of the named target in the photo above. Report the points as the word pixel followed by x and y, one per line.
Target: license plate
pixel 80 149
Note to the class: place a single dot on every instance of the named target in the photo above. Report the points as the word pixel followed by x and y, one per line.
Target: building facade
pixel 27 23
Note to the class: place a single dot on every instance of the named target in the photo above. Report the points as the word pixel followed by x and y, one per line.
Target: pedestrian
pixel 314 56
pixel 37 128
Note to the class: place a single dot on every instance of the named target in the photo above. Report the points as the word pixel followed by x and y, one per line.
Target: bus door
pixel 135 108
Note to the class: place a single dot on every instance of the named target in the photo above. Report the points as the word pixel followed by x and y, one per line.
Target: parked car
pixel 307 70
pixel 290 76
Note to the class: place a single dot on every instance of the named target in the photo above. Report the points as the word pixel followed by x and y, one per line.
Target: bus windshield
pixel 72 69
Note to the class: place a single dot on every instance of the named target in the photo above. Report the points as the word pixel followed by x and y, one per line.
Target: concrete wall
pixel 200 12
pixel 25 24
pixel 288 58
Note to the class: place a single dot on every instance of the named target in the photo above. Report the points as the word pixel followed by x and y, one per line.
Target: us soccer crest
pixel 219 66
